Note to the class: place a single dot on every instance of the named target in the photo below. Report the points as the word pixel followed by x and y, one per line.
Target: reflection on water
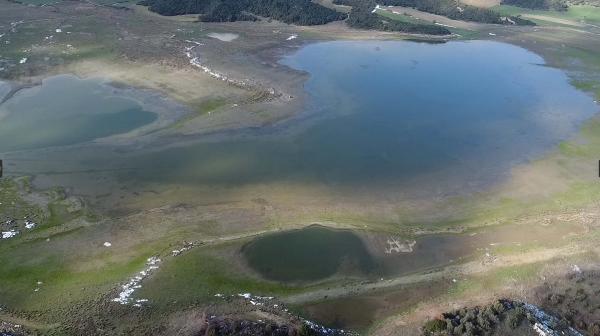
pixel 402 115
pixel 396 112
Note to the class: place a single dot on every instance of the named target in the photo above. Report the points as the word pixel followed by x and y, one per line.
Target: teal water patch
pixel 66 110
pixel 311 253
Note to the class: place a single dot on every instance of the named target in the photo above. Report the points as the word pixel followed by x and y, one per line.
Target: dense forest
pixel 301 12
pixel 559 5
pixel 305 12
pixel 362 17
pixel 455 10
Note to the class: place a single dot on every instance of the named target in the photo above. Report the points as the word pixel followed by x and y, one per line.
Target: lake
pixel 406 117
pixel 447 116
pixel 66 110
pixel 312 253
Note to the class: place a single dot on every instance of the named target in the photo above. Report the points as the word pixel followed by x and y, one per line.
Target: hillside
pixel 301 12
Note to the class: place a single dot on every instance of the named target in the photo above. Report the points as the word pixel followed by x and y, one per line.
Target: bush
pixel 515 317
pixel 433 327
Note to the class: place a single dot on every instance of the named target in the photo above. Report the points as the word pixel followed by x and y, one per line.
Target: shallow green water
pixel 310 253
pixel 65 110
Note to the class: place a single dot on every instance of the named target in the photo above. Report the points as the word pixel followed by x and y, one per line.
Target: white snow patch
pixel 23 60
pixel 135 283
pixel 194 42
pixel 444 25
pixel 225 37
pixel 107 244
pixel 29 224
pixel 9 234
pixel 292 37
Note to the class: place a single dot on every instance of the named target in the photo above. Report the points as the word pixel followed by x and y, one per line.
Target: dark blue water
pixel 457 114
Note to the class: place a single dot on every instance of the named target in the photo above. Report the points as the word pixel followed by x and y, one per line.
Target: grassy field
pixel 576 14
pixel 464 33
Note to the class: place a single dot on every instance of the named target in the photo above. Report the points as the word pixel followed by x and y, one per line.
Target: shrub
pixel 434 326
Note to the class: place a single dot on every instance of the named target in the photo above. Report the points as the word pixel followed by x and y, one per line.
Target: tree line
pixel 300 12
pixel 305 12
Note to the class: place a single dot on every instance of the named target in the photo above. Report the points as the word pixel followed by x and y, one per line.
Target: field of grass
pixel 584 14
pixel 204 272
pixel 464 33
pixel 401 17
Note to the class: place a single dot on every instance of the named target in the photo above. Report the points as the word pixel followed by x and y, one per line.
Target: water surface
pixel 65 110
pixel 406 117
pixel 397 112
pixel 311 253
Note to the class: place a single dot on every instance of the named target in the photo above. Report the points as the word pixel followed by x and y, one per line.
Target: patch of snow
pixel 225 37
pixel 491 34
pixel 9 234
pixel 185 247
pixel 107 244
pixel 194 42
pixel 23 60
pixel 29 224
pixel 58 30
pixel 546 324
pixel 576 269
pixel 444 25
pixel 135 283
pixel 292 37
